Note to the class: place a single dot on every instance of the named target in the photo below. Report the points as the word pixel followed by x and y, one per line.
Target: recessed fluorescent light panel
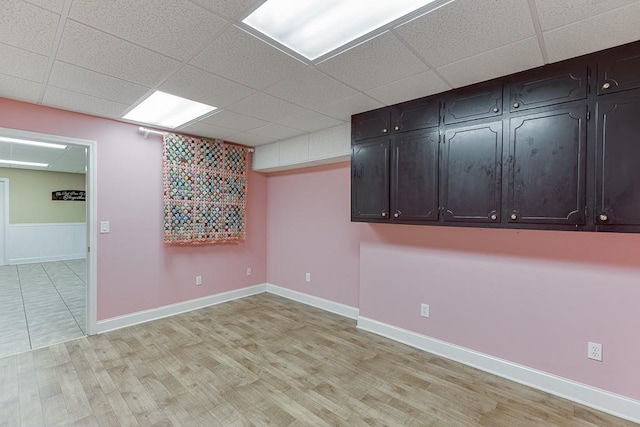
pixel 34 143
pixel 166 110
pixel 314 28
pixel 19 163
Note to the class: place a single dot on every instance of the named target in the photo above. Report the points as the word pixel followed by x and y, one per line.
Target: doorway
pixel 65 285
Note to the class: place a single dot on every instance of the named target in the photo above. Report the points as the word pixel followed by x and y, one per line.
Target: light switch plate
pixel 104 227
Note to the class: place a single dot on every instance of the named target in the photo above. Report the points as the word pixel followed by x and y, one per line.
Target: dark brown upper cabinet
pixel 370 124
pixel 413 115
pixel 556 147
pixel 414 176
pixel 619 70
pixel 370 180
pixel 471 173
pixel 618 160
pixel 548 86
pixel 547 160
pixel 477 102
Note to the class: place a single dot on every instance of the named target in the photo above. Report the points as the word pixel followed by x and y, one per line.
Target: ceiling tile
pixel 74 160
pixel 590 35
pixel 467 27
pixel 266 107
pixel 27 26
pixel 232 120
pixel 76 79
pixel 554 13
pixel 381 60
pixel 275 131
pixel 310 121
pixel 230 9
pixel 206 130
pixel 52 5
pixel 342 110
pixel 413 87
pixel 193 83
pixel 22 63
pixel 310 88
pixel 5 150
pixel 176 28
pixel 509 59
pixel 67 100
pixel 243 58
pixel 30 153
pixel 20 89
pixel 250 139
pixel 98 51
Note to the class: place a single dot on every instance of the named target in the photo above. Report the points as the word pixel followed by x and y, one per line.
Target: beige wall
pixel 30 196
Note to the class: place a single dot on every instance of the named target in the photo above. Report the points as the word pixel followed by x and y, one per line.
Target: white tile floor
pixel 41 304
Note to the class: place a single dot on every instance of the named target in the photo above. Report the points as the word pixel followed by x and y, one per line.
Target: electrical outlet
pixel 424 310
pixel 249 271
pixel 595 351
pixel 307 277
pixel 198 280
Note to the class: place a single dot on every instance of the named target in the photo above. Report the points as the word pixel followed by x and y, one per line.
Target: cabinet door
pixel 414 176
pixel 370 124
pixel 618 71
pixel 473 103
pixel 618 164
pixel 370 180
pixel 471 173
pixel 413 115
pixel 547 171
pixel 548 86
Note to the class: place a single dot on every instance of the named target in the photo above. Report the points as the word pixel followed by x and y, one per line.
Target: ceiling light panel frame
pixel 434 5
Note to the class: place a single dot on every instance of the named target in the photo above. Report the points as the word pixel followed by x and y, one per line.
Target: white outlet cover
pixel 249 271
pixel 424 310
pixel 198 280
pixel 594 351
pixel 307 277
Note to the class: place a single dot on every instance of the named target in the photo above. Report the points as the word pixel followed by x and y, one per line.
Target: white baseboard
pixel 173 309
pixel 601 400
pixel 33 260
pixel 331 306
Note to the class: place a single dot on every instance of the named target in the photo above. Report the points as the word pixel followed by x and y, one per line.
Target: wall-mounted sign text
pixel 69 195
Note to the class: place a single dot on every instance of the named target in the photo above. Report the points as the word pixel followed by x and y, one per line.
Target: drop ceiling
pixel 103 57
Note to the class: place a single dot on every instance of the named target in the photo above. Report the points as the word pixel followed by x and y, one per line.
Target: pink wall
pixel 532 297
pixel 309 230
pixel 136 270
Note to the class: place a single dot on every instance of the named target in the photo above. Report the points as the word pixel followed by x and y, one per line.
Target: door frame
pixel 4 225
pixel 91 179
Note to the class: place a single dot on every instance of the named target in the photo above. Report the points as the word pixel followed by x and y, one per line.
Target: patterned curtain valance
pixel 205 191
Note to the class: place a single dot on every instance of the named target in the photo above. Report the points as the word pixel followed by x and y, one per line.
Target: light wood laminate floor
pixel 263 360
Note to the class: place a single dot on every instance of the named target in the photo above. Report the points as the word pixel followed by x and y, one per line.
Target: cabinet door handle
pixel 516 105
pixel 397 214
pixel 496 109
pixel 514 216
pixel 494 217
pixel 603 217
pixel 396 128
pixel 606 86
pixel 384 214
pixel 385 130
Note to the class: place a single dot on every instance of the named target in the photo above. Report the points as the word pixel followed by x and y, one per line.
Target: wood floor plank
pixel 264 361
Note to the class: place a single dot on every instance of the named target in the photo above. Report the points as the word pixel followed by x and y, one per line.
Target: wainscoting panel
pixel 46 242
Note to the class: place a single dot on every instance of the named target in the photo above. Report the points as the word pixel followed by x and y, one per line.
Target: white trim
pixel 601 400
pixel 32 260
pixel 331 306
pixel 5 221
pixel 177 308
pixel 51 224
pixel 92 236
